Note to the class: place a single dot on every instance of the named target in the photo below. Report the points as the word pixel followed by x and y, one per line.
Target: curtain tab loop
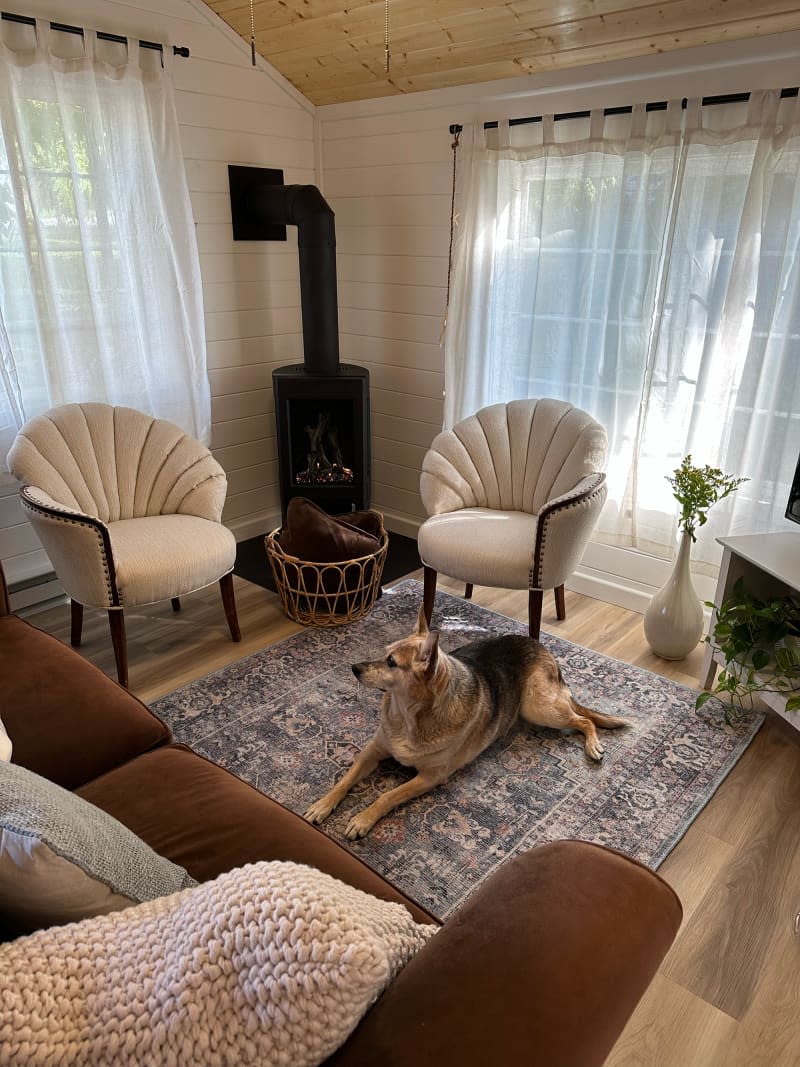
pixel 694 118
pixel 597 121
pixel 762 107
pixel 90 45
pixel 674 116
pixel 755 107
pixel 43 35
pixel 548 129
pixel 638 120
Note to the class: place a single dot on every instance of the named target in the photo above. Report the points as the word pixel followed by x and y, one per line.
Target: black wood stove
pixel 323 436
pixel 321 405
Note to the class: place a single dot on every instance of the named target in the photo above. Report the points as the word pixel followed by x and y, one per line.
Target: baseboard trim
pixel 26 602
pixel 400 523
pixel 609 591
pixel 255 525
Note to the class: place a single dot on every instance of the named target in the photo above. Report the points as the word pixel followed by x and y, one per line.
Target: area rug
pixel 290 718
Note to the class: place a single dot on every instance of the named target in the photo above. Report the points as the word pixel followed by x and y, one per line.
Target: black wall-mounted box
pixel 247 224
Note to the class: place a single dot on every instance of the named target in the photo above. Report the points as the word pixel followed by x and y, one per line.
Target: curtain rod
pixel 627 109
pixel 61 27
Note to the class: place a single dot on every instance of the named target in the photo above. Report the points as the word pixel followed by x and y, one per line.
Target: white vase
pixel 673 621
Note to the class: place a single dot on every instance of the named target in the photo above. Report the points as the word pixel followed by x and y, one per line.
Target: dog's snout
pixel 357 669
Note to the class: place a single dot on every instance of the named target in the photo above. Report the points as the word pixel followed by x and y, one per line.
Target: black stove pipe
pixel 305 207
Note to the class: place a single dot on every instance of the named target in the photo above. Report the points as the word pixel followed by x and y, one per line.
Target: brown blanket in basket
pixel 315 537
pixel 309 533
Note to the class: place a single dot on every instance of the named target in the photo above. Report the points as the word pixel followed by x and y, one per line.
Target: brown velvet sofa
pixel 542 966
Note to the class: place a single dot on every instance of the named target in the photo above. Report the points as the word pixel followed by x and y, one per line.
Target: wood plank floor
pixel 727 994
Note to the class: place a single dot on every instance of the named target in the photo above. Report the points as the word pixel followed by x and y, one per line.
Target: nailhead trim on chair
pixel 579 499
pixel 32 504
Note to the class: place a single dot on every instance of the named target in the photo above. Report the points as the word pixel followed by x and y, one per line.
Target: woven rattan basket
pixel 326 594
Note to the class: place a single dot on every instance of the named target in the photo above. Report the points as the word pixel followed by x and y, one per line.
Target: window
pixel 647 269
pixel 100 286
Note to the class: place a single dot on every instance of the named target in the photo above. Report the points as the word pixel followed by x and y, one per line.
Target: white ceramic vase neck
pixel 673 621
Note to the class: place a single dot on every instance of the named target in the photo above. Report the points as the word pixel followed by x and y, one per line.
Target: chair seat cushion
pixel 480 545
pixel 165 556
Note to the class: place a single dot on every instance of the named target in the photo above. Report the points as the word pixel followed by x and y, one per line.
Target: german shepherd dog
pixel 440 711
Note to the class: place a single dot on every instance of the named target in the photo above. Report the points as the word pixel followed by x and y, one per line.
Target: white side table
pixel 770 566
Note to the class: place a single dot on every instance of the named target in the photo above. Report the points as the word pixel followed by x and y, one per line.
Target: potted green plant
pixel 758 643
pixel 673 621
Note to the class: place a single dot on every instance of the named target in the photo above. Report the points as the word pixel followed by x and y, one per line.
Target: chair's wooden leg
pixel 176 603
pixel 116 620
pixel 561 607
pixel 468 591
pixel 535 597
pixel 428 591
pixel 76 623
pixel 229 602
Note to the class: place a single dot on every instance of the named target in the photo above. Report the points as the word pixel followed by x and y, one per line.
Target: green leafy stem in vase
pixel 698 488
pixel 758 642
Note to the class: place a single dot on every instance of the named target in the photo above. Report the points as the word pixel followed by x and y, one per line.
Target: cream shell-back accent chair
pixel 513 493
pixel 128 508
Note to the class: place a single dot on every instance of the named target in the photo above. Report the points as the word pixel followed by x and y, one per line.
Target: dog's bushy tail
pixel 607 722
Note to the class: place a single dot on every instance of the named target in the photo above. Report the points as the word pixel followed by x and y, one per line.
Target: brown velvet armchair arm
pixel 542 967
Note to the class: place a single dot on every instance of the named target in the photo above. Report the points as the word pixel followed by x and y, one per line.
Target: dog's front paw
pixel 320 810
pixel 360 825
pixel 595 751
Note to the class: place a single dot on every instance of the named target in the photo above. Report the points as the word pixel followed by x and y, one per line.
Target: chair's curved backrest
pixel 117 463
pixel 512 457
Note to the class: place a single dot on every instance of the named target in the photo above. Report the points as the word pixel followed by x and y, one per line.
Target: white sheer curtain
pixel 100 284
pixel 646 268
pixel 11 417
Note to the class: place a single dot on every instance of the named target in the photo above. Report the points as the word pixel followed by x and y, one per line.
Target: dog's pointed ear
pixel 422 622
pixel 428 653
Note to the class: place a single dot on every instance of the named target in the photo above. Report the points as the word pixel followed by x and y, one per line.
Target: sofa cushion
pixel 269 965
pixel 62 859
pixel 208 821
pixel 68 720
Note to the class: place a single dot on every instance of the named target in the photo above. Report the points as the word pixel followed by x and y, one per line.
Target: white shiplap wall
pixel 388 180
pixel 228 112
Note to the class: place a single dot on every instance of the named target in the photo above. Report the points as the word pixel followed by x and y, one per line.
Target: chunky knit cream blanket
pixel 269 964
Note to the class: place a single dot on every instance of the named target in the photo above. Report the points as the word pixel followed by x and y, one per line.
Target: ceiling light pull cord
pixel 386 55
pixel 456 132
pixel 252 34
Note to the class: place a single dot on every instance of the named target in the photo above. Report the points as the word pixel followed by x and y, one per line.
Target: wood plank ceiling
pixel 333 50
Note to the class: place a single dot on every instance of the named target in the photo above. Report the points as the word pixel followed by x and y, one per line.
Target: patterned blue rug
pixel 289 720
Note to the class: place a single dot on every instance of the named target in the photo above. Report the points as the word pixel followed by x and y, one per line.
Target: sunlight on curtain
pixel 100 282
pixel 645 268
